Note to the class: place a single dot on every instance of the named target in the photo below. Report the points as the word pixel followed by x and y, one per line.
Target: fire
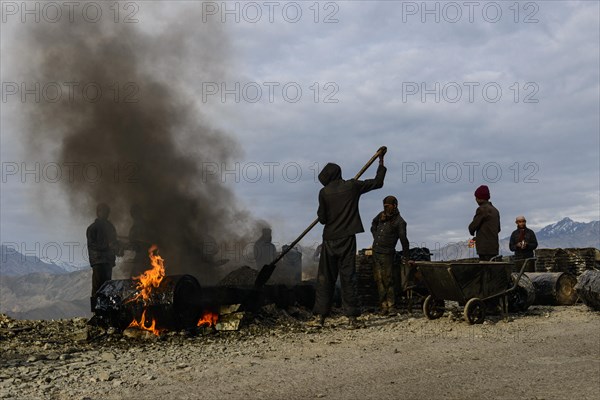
pixel 208 319
pixel 151 278
pixel 148 281
pixel 142 325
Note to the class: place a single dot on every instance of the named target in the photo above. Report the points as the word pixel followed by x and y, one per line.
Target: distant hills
pixel 46 296
pixel 31 288
pixel 565 233
pixel 568 233
pixel 34 288
pixel 14 263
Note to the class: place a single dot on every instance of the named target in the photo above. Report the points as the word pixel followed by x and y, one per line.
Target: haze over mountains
pixel 565 233
pixel 15 263
pixel 31 288
pixel 568 233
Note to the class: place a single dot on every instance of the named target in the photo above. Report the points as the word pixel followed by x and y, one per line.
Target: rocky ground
pixel 545 353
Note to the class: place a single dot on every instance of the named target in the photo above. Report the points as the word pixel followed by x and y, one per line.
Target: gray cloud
pixel 369 54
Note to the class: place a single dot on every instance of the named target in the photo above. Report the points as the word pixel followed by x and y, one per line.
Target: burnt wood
pixel 553 288
pixel 588 288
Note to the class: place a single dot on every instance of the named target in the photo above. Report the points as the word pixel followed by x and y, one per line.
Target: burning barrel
pixel 173 305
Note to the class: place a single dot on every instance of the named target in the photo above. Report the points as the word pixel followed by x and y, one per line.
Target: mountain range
pixel 565 233
pixel 568 233
pixel 14 263
pixel 31 288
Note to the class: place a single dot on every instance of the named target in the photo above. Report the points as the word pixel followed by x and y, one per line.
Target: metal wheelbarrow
pixel 471 284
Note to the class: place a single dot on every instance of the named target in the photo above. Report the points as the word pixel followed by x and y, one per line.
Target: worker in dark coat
pixel 522 241
pixel 387 228
pixel 264 249
pixel 103 248
pixel 485 225
pixel 338 211
pixel 140 240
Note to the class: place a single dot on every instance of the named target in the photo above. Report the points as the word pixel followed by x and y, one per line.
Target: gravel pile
pixel 273 349
pixel 69 359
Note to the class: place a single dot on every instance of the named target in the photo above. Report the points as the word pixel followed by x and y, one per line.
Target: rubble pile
pixel 67 359
pixel 41 359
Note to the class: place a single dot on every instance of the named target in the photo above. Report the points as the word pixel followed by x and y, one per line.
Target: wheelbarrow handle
pixel 521 272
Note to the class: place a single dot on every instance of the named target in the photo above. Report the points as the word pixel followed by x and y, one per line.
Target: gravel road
pixel 545 353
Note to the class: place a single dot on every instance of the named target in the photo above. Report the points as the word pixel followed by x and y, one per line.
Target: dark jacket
pixel 338 201
pixel 102 242
pixel 386 233
pixel 264 251
pixel 139 239
pixel 486 224
pixel 530 239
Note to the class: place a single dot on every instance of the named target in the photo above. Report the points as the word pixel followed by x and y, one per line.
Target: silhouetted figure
pixel 485 225
pixel 338 211
pixel 291 268
pixel 264 250
pixel 140 240
pixel 103 248
pixel 201 247
pixel 387 228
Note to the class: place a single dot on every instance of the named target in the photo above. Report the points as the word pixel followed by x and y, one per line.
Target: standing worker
pixel 522 241
pixel 139 241
pixel 102 249
pixel 264 249
pixel 338 211
pixel 485 225
pixel 387 227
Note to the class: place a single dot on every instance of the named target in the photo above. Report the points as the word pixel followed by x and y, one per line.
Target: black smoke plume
pixel 152 139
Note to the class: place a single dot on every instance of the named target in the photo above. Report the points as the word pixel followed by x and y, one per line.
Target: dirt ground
pixel 545 353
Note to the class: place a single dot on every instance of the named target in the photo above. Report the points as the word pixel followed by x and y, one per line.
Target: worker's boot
pixel 355 323
pixel 318 321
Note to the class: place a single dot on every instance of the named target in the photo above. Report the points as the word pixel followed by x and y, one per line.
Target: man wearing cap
pixel 387 227
pixel 338 211
pixel 485 225
pixel 522 241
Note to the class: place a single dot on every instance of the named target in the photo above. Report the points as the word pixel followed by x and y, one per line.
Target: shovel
pixel 267 269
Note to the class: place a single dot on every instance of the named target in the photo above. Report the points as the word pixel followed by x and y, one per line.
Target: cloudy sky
pixel 500 93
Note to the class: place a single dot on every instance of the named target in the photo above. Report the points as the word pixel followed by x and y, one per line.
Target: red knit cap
pixel 483 192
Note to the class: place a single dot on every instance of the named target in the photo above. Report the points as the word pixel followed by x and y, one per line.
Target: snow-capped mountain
pixel 66 266
pixel 567 227
pixel 32 288
pixel 565 233
pixel 14 263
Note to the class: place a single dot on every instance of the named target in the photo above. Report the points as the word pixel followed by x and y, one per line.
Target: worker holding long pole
pixel 338 211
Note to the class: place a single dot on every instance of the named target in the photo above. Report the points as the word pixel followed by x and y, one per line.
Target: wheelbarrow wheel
pixel 475 311
pixel 433 308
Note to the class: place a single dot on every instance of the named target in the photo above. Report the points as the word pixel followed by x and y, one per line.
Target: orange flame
pixel 208 319
pixel 142 325
pixel 151 278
